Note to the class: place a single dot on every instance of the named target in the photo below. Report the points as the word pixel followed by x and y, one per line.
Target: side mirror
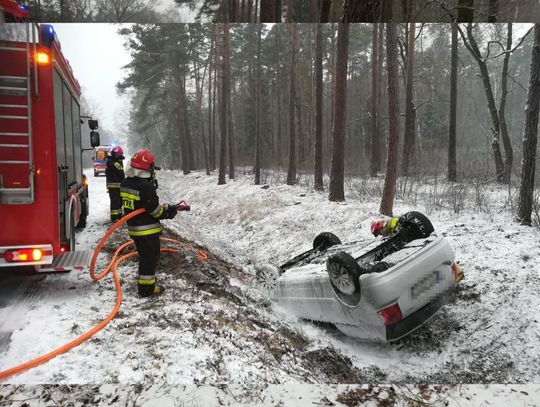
pixel 94 139
pixel 93 124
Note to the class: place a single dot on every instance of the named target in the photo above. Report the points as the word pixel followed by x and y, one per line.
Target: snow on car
pixel 369 290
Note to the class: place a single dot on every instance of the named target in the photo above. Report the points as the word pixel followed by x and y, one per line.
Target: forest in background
pixel 273 92
pixel 154 11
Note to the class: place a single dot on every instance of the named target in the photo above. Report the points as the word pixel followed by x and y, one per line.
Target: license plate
pixel 425 284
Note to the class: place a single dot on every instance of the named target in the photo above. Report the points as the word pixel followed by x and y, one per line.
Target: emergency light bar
pixel 46 35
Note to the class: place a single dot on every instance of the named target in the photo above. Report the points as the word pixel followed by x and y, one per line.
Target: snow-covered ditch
pixel 213 327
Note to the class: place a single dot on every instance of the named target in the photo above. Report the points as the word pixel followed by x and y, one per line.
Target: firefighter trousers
pixel 148 248
pixel 116 204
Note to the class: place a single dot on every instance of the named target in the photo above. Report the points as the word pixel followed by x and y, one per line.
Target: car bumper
pixel 417 319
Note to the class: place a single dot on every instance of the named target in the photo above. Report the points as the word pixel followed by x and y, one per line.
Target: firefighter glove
pixel 171 211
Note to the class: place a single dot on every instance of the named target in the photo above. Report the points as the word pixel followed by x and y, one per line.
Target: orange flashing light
pixel 43 58
pixel 37 254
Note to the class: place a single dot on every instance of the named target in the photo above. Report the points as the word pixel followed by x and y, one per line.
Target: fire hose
pixel 113 264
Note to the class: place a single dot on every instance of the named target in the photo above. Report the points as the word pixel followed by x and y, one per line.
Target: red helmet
pixel 143 160
pixel 117 152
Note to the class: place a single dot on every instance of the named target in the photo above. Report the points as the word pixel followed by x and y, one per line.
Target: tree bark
pixel 257 167
pixel 291 173
pixel 336 189
pixel 318 108
pixel 224 116
pixel 389 191
pixel 277 50
pixel 472 46
pixel 364 11
pixel 375 145
pixel 380 102
pixel 409 140
pixel 508 151
pixel 452 170
pixel 526 189
pixel 269 11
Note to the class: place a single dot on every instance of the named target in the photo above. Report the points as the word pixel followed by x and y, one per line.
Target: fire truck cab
pixel 43 191
pixel 12 12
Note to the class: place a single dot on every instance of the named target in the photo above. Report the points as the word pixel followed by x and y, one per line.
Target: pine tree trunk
pixel 277 50
pixel 375 147
pixel 472 46
pixel 224 116
pixel 508 151
pixel 268 10
pixel 452 169
pixel 389 191
pixel 230 136
pixel 291 173
pixel 526 189
pixel 365 11
pixel 336 189
pixel 258 118
pixel 380 102
pixel 318 108
pixel 409 140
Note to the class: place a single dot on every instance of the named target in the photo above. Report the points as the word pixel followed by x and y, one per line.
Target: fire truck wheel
pixel 72 232
pixel 84 215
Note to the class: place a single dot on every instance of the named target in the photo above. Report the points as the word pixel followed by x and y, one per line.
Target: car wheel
pixel 325 240
pixel 415 225
pixel 266 276
pixel 96 173
pixel 344 273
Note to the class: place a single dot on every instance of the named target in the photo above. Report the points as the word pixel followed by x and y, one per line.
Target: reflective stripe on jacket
pixel 139 193
pixel 114 173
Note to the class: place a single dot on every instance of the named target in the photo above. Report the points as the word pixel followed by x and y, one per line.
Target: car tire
pixel 415 225
pixel 266 276
pixel 96 173
pixel 344 273
pixel 325 240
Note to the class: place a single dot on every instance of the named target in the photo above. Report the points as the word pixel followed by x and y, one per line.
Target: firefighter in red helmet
pixel 115 175
pixel 138 190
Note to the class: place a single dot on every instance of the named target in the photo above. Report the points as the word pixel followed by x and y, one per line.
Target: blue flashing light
pixel 51 29
pixel 25 8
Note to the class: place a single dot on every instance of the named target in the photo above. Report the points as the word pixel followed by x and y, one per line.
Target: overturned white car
pixel 368 289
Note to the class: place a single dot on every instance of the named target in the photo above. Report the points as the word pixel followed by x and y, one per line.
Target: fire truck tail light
pixel 43 58
pixel 37 254
pixel 23 255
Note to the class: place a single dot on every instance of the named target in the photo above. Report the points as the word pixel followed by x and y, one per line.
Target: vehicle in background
pixel 43 191
pixel 367 289
pixel 99 159
pixel 13 12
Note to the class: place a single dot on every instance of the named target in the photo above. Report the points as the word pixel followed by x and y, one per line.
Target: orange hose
pixel 112 264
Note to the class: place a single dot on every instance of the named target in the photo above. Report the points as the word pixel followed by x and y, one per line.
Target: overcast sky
pixel 96 55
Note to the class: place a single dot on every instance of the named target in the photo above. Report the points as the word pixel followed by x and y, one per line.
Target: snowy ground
pixel 213 327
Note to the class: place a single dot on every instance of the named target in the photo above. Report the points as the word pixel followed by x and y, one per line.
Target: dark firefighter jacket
pixel 141 193
pixel 114 173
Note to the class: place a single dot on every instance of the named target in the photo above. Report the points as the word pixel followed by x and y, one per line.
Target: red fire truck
pixel 43 192
pixel 12 12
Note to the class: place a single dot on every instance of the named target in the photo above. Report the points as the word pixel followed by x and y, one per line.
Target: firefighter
pixel 138 190
pixel 115 175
